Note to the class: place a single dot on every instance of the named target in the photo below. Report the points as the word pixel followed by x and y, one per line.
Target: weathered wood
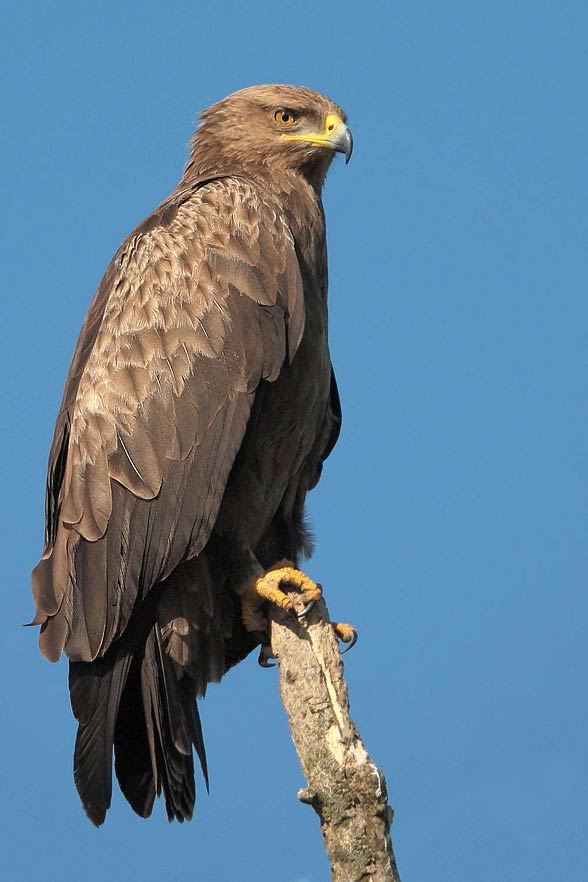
pixel 346 789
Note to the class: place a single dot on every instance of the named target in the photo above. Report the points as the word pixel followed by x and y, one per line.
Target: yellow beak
pixel 336 136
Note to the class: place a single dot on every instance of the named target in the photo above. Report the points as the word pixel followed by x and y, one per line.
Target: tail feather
pixel 96 689
pixel 135 700
pixel 133 747
pixel 172 704
pixel 182 708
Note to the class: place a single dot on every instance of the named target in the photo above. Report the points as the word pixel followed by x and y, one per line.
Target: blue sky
pixel 452 518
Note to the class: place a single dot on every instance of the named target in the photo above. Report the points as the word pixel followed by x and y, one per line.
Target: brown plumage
pixel 198 409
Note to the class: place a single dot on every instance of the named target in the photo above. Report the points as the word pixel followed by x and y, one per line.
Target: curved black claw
pixel 265 653
pixel 352 643
pixel 304 612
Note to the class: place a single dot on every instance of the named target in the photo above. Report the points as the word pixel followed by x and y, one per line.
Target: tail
pixel 133 700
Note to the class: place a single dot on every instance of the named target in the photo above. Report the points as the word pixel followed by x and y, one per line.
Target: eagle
pixel 198 410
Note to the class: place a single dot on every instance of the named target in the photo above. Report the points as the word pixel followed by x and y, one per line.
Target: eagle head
pixel 270 128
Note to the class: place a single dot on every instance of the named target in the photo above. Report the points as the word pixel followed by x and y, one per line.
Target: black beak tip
pixel 348 146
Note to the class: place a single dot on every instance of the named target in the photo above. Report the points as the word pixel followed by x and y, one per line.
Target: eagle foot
pixel 268 588
pixel 346 634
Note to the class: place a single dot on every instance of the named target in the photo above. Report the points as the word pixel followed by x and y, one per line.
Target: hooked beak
pixel 336 136
pixel 341 140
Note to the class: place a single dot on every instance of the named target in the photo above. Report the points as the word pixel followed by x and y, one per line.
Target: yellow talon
pixel 285 571
pixel 267 588
pixel 346 634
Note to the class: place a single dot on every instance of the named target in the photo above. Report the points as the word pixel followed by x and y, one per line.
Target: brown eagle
pixel 198 409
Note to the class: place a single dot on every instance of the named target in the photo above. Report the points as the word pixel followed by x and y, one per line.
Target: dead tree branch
pixel 345 788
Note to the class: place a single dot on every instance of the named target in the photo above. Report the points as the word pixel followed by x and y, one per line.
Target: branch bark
pixel 345 787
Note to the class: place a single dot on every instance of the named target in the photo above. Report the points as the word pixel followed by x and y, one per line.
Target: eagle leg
pixel 267 588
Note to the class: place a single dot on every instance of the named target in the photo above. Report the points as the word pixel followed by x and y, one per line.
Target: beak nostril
pixel 331 127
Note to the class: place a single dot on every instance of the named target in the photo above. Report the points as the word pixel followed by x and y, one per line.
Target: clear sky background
pixel 451 520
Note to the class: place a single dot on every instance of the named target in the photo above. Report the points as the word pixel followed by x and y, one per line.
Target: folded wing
pixel 201 303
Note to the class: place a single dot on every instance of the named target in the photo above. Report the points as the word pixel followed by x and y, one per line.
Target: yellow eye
pixel 284 117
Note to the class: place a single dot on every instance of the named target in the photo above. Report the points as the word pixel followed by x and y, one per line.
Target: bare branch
pixel 345 788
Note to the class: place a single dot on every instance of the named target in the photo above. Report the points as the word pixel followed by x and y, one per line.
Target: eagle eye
pixel 285 117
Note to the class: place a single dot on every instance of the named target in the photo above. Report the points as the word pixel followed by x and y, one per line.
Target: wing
pixel 199 305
